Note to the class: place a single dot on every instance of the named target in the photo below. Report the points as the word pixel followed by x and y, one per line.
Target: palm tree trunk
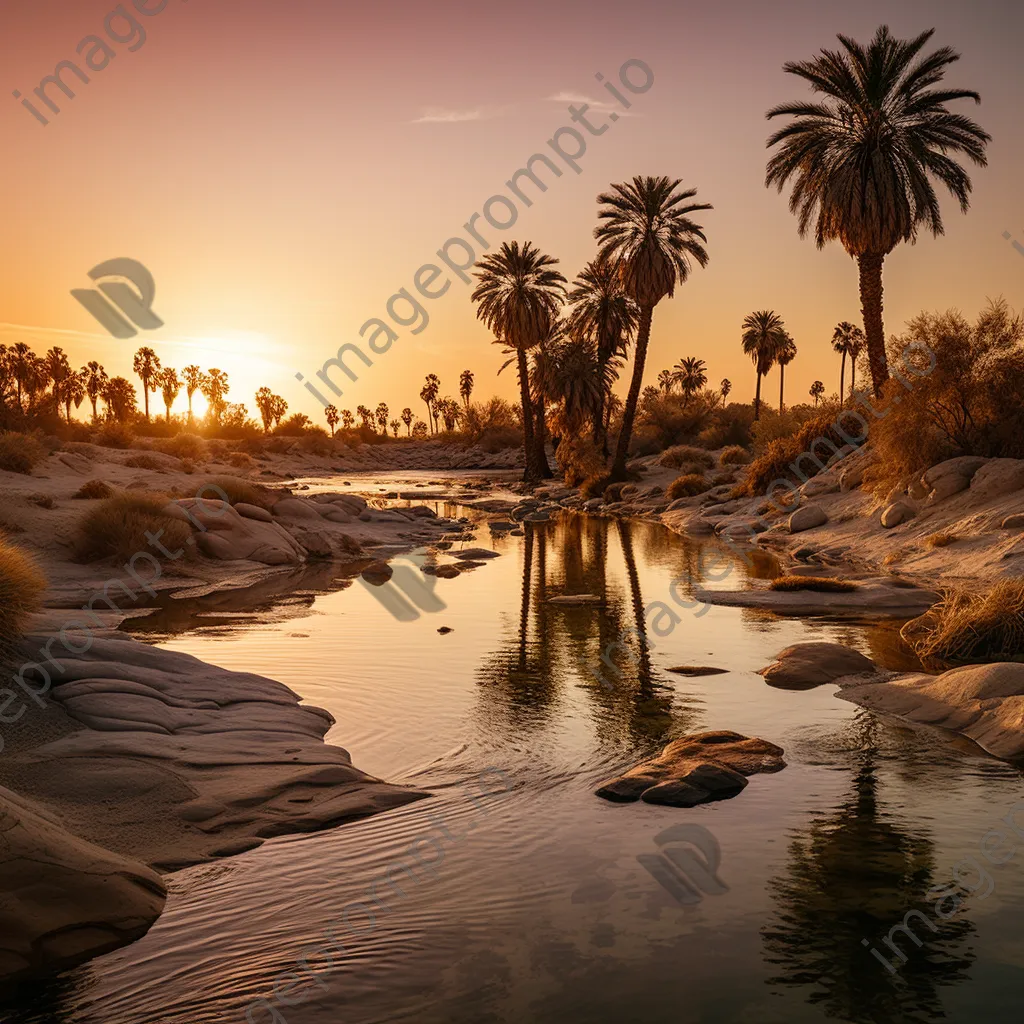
pixel 145 395
pixel 95 415
pixel 629 413
pixel 871 306
pixel 427 404
pixel 782 386
pixel 531 474
pixel 757 398
pixel 540 439
pixel 853 377
pixel 842 377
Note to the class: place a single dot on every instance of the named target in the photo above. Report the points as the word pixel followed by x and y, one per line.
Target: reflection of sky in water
pixel 540 910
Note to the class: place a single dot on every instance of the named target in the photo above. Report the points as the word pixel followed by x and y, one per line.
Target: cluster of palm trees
pixel 768 343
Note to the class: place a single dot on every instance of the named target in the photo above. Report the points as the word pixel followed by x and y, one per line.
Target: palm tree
pixel 21 357
pixel 170 387
pixel 407 420
pixel 146 367
pixel 265 405
pixel 215 387
pixel 466 385
pixel 94 377
pixel 764 334
pixel 647 233
pixel 862 160
pixel 365 415
pixel 119 394
pixel 842 338
pixel 331 415
pixel 574 381
pixel 394 424
pixel 785 355
pixel 58 369
pixel 347 419
pixel 71 391
pixel 194 381
pixel 691 375
pixel 382 418
pixel 518 296
pixel 429 392
pixel 724 389
pixel 854 348
pixel 605 316
pixel 665 380
pixel 817 390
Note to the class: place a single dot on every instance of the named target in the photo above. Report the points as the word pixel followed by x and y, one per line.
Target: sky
pixel 284 169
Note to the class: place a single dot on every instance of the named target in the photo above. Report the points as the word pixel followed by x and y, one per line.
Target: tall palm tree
pixel 21 357
pixel 429 393
pixel 215 387
pixel 691 375
pixel 724 389
pixel 332 417
pixel 647 234
pixel 854 348
pixel 574 381
pixel 382 412
pixel 466 385
pixel 785 355
pixel 665 380
pixel 764 334
pixel 606 317
pixel 58 369
pixel 842 337
pixel 519 295
pixel 95 377
pixel 71 391
pixel 863 159
pixel 407 420
pixel 170 386
pixel 146 366
pixel 194 381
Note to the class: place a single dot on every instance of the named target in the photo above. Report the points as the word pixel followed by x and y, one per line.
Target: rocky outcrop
pixel 951 477
pixel 896 514
pixel 696 769
pixel 807 518
pixel 804 666
pixel 226 535
pixel 64 900
pixel 997 478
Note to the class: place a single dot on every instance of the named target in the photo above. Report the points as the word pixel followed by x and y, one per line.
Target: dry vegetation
pixel 965 626
pixel 117 528
pixel 734 455
pixel 688 486
pixel 681 455
pixel 21 592
pixel 824 584
pixel 20 452
pixel 236 491
pixel 93 489
pixel 940 540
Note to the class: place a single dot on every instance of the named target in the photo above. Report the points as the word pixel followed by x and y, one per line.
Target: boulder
pixel 804 666
pixel 65 900
pixel 694 671
pixel 1014 522
pixel 247 511
pixel 807 518
pixel 998 477
pixel 475 553
pixel 695 769
pixel 918 490
pixel 378 573
pixel 951 477
pixel 896 513
pixel 296 508
pixel 851 478
pixel 228 536
pixel 818 485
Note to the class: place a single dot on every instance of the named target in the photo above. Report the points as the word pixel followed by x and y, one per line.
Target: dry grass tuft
pixel 687 486
pixel 240 460
pixel 825 584
pixel 236 491
pixel 941 540
pixel 93 489
pixel 183 446
pixel 734 455
pixel 21 593
pixel 144 461
pixel 19 452
pixel 683 454
pixel 965 627
pixel 118 527
pixel 42 500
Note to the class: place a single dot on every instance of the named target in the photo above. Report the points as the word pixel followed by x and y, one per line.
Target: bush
pixel 645 441
pixel 143 461
pixel 825 584
pixel 43 500
pixel 236 491
pixel 21 593
pixel 93 489
pixel 294 426
pixel 315 442
pixel 734 455
pixel 20 452
pixel 183 446
pixel 962 396
pixel 579 459
pixel 118 527
pixel 115 435
pixel 595 486
pixel 965 626
pixel 240 460
pixel 728 426
pixel 940 540
pixel 720 479
pixel 687 487
pixel 682 454
pixel 500 439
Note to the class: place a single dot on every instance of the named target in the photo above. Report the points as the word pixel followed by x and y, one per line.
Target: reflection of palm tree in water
pixel 853 876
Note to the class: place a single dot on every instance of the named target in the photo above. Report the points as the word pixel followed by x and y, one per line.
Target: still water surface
pixel 540 910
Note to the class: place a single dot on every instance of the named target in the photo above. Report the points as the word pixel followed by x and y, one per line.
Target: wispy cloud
pixel 444 115
pixel 599 106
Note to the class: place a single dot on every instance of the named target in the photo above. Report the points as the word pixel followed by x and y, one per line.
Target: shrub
pixel 500 439
pixel 595 486
pixel 720 479
pixel 965 626
pixel 236 491
pixel 42 500
pixel 667 420
pixel 613 491
pixel 646 441
pixel 184 446
pixel 315 442
pixel 687 487
pixel 579 459
pixel 21 592
pixel 940 540
pixel 962 392
pixel 143 461
pixel 825 584
pixel 728 426
pixel 682 454
pixel 734 455
pixel 92 489
pixel 115 435
pixel 772 426
pixel 118 527
pixel 240 460
pixel 20 452
pixel 294 426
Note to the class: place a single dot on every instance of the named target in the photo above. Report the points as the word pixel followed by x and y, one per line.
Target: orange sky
pixel 284 168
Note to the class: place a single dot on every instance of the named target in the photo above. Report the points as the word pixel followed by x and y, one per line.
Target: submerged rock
pixel 696 769
pixel 575 599
pixel 804 666
pixel 697 670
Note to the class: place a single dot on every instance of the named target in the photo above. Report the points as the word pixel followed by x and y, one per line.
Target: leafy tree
pixel 429 392
pixel 347 419
pixel 365 415
pixel 394 427
pixel 119 395
pixel 863 158
pixel 266 403
pixel 420 430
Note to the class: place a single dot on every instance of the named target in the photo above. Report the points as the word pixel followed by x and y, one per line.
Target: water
pixel 535 907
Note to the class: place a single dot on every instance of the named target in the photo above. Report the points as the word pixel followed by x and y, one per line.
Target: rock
pixel 804 666
pixel 983 702
pixel 695 769
pixel 845 452
pixel 475 553
pixel 998 477
pixel 447 572
pixel 247 511
pixel 229 536
pixel 1014 522
pixel 697 670
pixel 536 517
pixel 378 573
pixel 807 518
pixel 804 553
pixel 918 490
pixel 517 533
pixel 851 478
pixel 575 599
pixel 499 525
pixel 950 477
pixel 445 629
pixel 896 513
pixel 818 485
pixel 64 900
